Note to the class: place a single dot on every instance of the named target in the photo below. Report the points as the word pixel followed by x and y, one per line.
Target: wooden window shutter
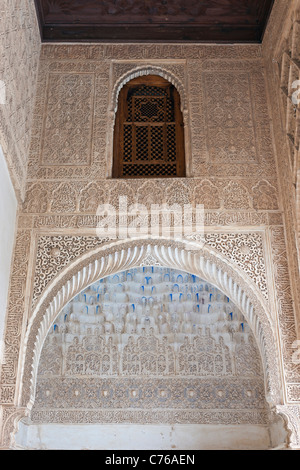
pixel 149 133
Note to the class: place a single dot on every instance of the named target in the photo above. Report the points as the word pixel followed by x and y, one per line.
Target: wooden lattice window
pixel 149 133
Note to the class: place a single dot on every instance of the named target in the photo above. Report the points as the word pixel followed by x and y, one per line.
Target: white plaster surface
pixel 142 437
pixel 8 210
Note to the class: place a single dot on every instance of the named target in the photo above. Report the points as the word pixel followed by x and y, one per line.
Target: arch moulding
pixel 122 255
pixel 148 70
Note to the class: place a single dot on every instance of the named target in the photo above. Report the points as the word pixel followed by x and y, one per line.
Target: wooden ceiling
pixel 218 21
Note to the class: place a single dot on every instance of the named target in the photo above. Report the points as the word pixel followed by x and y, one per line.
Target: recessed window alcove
pixel 149 130
pixel 150 357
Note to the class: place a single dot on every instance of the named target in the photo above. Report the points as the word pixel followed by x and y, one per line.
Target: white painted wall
pixel 8 211
pixel 141 437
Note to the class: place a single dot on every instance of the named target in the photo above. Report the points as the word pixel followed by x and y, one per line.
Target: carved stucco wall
pixel 19 57
pixel 232 170
pixel 281 57
pixel 227 281
pixel 8 211
pixel 281 52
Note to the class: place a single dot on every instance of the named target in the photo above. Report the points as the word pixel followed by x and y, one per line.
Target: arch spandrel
pixel 126 255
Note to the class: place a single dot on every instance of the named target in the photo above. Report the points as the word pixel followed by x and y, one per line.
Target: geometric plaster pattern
pixel 280 49
pixel 54 253
pixel 81 197
pixel 201 75
pixel 281 53
pixel 19 56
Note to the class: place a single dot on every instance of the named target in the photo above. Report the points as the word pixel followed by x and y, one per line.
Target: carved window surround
pixel 124 71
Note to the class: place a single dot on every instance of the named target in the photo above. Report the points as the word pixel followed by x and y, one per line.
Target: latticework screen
pixel 149 130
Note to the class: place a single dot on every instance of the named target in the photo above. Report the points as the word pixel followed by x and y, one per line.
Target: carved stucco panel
pixel 149 417
pixel 117 51
pixel 56 252
pixel 200 81
pixel 84 197
pixel 15 316
pixel 19 56
pixel 285 310
pixel 67 133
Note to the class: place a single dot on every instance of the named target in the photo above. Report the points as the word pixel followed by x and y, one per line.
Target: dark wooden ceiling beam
pixel 152 33
pixel 75 20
